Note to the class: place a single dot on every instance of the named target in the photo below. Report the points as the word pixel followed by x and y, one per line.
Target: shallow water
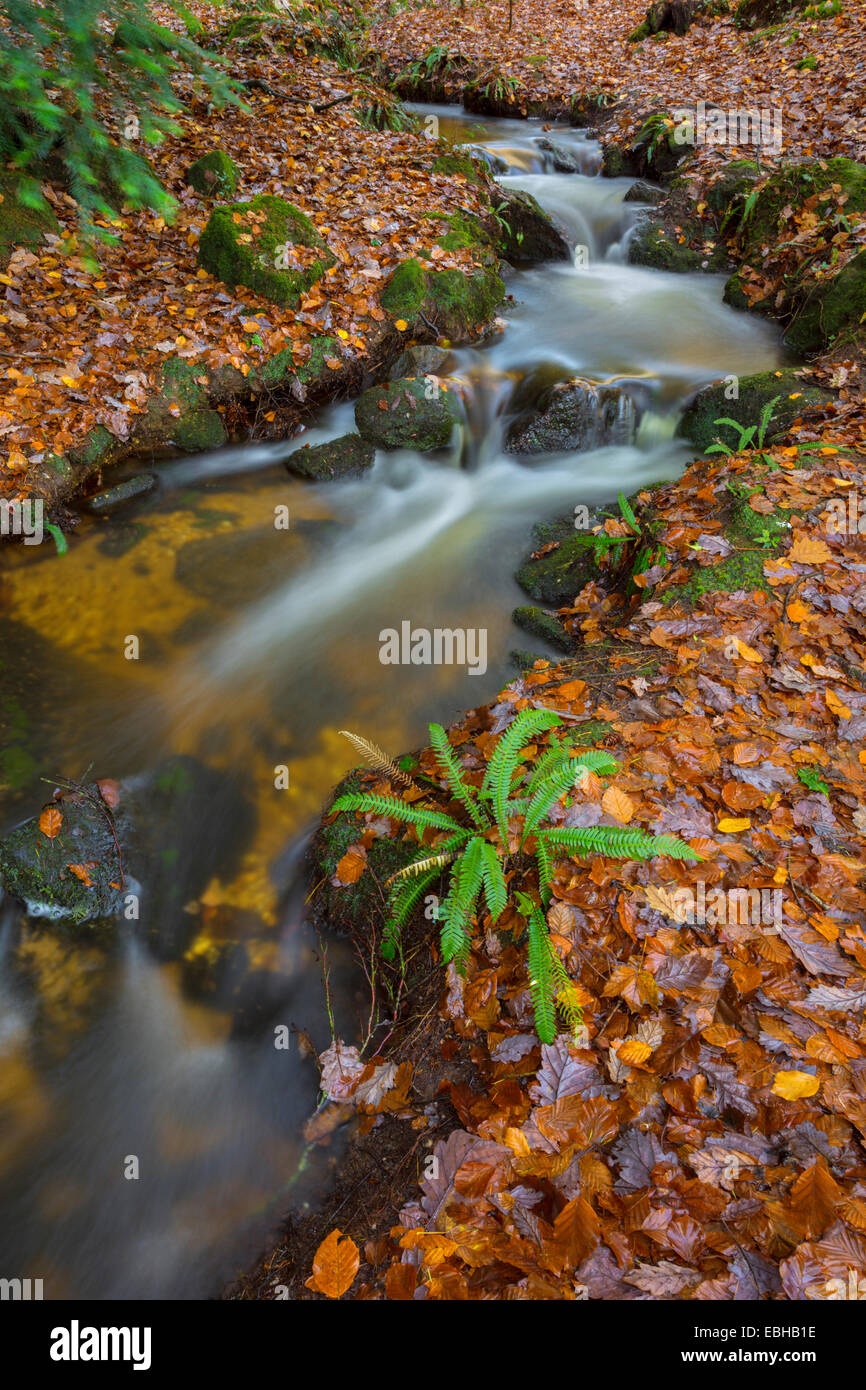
pixel 257 647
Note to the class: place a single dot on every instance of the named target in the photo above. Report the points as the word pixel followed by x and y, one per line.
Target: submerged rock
pixel 575 414
pixel 406 414
pixel 754 394
pixel 346 457
pixel 561 157
pixel 420 360
pixel 102 503
pixel 103 854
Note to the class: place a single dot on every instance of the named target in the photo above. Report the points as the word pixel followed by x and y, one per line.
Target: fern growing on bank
pixel 477 849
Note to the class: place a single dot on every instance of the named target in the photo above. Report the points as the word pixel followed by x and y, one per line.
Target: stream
pixel 256 647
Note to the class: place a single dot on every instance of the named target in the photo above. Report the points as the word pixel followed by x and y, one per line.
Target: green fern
pixel 447 761
pixel 501 768
pixel 476 861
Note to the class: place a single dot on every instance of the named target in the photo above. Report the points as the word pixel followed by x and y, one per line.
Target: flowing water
pixel 256 647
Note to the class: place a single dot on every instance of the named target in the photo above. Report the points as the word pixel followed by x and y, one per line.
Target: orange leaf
pixel 795 1085
pixel 615 803
pixel 82 871
pixel 50 822
pixel 335 1265
pixel 807 552
pixel 352 864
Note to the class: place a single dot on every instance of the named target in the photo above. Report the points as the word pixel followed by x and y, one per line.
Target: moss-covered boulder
pixel 409 414
pixel 830 310
pixel 574 414
pixel 545 626
pixel 824 298
pixel 655 244
pixel 456 306
pixel 559 574
pixel 215 175
pixel 527 234
pixel 754 394
pixel 181 414
pixel 727 195
pixel 346 457
pixel 21 225
pixel 268 245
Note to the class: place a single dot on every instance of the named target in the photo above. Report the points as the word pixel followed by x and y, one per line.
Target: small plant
pixel 477 847
pixel 811 778
pixel 746 433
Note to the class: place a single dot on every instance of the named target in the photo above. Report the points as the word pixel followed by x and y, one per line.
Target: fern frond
pixel 457 907
pixel 617 842
pixel 444 854
pixel 500 770
pixel 392 806
pixel 545 870
pixel 453 772
pixel 401 900
pixel 495 888
pixel 541 981
pixel 373 754
pixel 567 1000
pixel 558 782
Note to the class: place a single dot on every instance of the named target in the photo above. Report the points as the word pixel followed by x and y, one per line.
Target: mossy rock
pixel 21 225
pixel 314 375
pixel 545 626
pixel 642 191
pixel 728 194
pixel 167 834
pixel 466 232
pixel 215 175
pixel 655 246
pixel 399 415
pixel 181 413
pixel 528 235
pixel 356 907
pixel 556 577
pixel 458 306
pixel 347 457
pixel 261 262
pixel 755 392
pixel 421 359
pixel 465 165
pixel 835 309
pixel 790 186
pixel 575 414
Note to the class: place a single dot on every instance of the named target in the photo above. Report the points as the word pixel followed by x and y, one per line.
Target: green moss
pixel 20 225
pixel 727 195
pixel 791 186
pixel 835 306
pixel 465 233
pixel 755 392
pixel 543 625
pixel 459 306
pixel 282 367
pixel 742 570
pixel 346 457
pixel 399 415
pixel 260 263
pixel 215 175
pixel 652 245
pixel 181 414
pixel 559 575
pixel 354 907
pixel 456 162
